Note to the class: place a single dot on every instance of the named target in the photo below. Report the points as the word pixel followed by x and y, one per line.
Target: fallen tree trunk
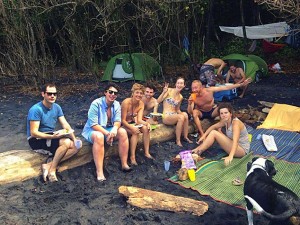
pixel 148 199
pixel 20 165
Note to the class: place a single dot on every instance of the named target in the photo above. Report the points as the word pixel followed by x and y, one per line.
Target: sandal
pixel 52 177
pixel 45 171
pixel 237 182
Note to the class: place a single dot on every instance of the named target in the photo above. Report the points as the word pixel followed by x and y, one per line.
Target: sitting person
pixel 103 124
pixel 207 72
pixel 201 103
pixel 238 76
pixel 235 142
pixel 132 115
pixel 172 115
pixel 41 122
pixel 150 103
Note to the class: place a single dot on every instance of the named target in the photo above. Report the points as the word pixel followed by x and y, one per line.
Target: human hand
pixel 109 139
pixel 114 131
pixel 227 160
pixel 200 140
pixel 246 82
pixel 166 87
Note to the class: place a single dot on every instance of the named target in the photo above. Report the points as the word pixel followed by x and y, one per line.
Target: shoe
pixel 237 182
pixel 101 180
pixel 52 177
pixel 45 172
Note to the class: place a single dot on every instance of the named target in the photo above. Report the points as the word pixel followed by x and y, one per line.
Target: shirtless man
pixel 207 71
pixel 150 103
pixel 201 102
pixel 238 76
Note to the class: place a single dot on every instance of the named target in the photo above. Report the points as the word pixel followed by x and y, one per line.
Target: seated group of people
pixel 108 121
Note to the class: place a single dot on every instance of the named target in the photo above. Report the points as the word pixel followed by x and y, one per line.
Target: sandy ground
pixel 79 199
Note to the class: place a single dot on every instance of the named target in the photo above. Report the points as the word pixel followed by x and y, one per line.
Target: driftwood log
pixel 20 165
pixel 148 199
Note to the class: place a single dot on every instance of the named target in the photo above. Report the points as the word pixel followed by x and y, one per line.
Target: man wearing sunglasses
pixel 41 121
pixel 103 125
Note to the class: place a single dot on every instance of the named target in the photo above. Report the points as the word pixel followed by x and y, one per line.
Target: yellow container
pixel 250 137
pixel 192 174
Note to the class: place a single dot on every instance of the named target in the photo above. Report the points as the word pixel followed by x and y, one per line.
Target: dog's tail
pixel 283 216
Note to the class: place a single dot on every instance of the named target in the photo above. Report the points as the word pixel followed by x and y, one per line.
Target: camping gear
pixel 270 47
pixel 131 66
pixel 253 66
pixel 283 117
pixel 225 95
pixel 264 31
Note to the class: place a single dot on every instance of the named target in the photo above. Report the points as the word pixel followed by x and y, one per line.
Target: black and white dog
pixel 269 198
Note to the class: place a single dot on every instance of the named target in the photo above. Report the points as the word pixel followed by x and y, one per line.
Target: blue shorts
pixel 90 132
pixel 207 115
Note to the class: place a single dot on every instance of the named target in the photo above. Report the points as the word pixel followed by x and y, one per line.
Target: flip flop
pixel 237 182
pixel 101 179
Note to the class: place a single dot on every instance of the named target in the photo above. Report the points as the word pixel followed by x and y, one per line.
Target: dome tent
pixel 131 66
pixel 253 66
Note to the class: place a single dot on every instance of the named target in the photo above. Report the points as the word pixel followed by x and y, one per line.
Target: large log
pixel 20 165
pixel 148 199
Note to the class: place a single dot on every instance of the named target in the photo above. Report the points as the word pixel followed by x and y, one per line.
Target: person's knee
pixel 122 133
pixel 68 143
pixel 98 137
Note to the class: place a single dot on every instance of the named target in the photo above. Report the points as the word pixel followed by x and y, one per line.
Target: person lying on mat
pixel 201 103
pixel 235 142
pixel 132 121
pixel 172 115
pixel 41 121
pixel 207 72
pixel 238 76
pixel 150 104
pixel 103 125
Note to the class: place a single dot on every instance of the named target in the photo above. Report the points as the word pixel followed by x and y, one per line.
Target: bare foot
pixel 101 178
pixel 188 140
pixel 179 144
pixel 45 171
pixel 133 162
pixel 149 156
pixel 52 177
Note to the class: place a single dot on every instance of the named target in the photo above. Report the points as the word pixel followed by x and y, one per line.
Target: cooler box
pixel 228 94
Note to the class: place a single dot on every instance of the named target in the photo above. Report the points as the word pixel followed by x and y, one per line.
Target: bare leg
pixel 243 91
pixel 65 150
pixel 146 139
pixel 222 139
pixel 177 119
pixel 186 127
pixel 123 147
pixel 98 153
pixel 196 116
pixel 133 144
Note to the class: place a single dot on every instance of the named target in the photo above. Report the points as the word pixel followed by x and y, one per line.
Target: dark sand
pixel 78 199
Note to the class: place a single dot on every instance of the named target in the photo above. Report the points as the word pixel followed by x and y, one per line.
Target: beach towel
pixel 287 142
pixel 213 178
pixel 283 117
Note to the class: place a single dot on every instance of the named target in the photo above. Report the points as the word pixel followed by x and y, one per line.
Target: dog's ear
pixel 254 159
pixel 270 168
pixel 249 164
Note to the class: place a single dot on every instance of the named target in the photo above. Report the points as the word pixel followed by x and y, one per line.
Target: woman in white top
pixel 235 142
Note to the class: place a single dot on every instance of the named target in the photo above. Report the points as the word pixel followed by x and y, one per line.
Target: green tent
pixel 254 66
pixel 131 66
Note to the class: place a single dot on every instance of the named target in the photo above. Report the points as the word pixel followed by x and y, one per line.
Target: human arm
pixel 243 75
pixel 221 68
pixel 155 108
pixel 164 93
pixel 228 76
pixel 34 131
pixel 237 126
pixel 124 112
pixel 140 115
pixel 230 87
pixel 190 106
pixel 65 125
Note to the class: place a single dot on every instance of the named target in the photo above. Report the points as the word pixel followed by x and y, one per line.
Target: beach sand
pixel 79 199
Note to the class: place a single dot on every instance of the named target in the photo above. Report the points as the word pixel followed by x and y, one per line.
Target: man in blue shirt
pixel 104 124
pixel 41 121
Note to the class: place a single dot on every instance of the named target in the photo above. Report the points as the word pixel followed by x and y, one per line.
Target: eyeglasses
pixel 51 93
pixel 112 92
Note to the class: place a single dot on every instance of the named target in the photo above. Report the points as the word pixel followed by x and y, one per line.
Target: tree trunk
pixel 148 199
pixel 244 26
pixel 20 165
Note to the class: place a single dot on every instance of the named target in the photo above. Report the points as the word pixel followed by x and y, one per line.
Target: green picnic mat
pixel 215 180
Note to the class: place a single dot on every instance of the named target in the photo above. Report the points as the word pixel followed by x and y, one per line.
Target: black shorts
pixel 52 146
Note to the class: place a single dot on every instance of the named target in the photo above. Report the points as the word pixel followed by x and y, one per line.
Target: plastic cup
pixel 78 143
pixel 167 165
pixel 192 174
pixel 250 137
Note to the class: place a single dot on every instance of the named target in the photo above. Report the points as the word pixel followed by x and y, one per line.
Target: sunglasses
pixel 51 93
pixel 112 92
